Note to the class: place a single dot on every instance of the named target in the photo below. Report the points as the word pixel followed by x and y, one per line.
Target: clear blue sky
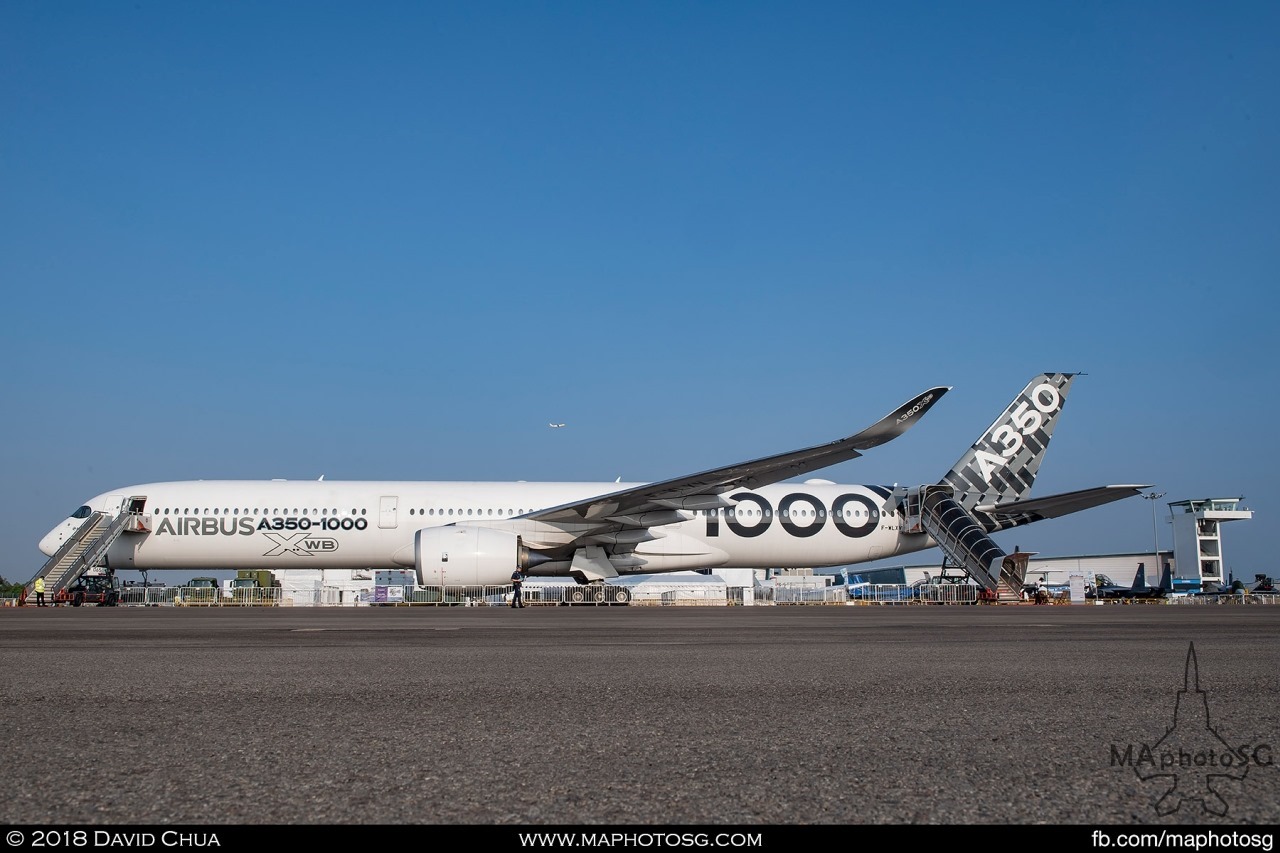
pixel 395 240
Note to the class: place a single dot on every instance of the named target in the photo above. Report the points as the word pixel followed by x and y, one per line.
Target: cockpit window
pixel 82 512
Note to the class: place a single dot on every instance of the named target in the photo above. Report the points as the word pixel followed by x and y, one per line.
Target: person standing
pixel 516 580
pixel 40 591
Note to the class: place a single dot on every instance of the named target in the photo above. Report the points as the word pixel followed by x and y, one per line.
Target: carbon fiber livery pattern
pixel 1001 465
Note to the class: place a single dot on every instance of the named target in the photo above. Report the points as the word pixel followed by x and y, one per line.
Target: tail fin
pixel 1140 579
pixel 1001 465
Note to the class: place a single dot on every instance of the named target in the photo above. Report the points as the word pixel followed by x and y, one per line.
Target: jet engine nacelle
pixel 467 556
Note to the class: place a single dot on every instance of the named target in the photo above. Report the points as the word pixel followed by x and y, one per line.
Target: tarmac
pixel 652 716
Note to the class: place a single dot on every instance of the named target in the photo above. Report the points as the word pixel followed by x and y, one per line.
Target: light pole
pixel 1155 536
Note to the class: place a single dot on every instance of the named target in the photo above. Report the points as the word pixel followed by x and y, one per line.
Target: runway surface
pixel 641 715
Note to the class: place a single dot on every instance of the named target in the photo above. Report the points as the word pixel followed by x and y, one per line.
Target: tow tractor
pixel 96 588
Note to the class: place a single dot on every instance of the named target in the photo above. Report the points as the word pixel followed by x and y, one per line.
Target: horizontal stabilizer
pixel 1054 506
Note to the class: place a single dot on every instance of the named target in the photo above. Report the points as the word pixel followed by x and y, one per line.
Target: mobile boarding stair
pixel 960 536
pixel 83 550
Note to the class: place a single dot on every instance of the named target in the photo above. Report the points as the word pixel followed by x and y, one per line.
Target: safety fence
pixel 1226 599
pixel 674 595
pixel 880 593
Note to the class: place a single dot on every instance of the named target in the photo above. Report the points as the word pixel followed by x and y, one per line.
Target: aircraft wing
pixel 704 490
pixel 1018 513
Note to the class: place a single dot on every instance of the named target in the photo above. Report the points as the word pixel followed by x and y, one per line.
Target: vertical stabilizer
pixel 1140 579
pixel 1001 465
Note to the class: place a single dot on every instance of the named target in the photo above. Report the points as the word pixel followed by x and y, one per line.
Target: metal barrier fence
pixel 880 593
pixel 929 593
pixel 885 593
pixel 148 596
pixel 492 596
pixel 691 595
pixel 464 596
pixel 800 595
pixel 1226 599
pixel 949 593
pixel 190 596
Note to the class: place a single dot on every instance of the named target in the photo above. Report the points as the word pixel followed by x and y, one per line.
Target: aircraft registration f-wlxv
pixel 477 533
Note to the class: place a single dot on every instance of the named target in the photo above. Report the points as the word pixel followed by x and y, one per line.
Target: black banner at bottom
pixel 744 837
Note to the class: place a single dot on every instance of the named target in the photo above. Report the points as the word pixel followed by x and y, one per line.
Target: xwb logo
pixel 302 544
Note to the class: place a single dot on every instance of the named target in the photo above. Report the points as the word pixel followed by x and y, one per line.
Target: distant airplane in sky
pixel 752 514
pixel 555 426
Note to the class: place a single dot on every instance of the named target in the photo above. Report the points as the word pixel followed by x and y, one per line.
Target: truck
pixel 199 592
pixel 255 587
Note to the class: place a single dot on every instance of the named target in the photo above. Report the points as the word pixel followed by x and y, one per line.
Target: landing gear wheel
pixel 77 599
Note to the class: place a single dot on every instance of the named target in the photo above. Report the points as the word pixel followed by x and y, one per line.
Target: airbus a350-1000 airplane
pixel 464 533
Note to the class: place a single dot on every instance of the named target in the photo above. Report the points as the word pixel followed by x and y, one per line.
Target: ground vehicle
pixel 97 589
pixel 254 586
pixel 199 591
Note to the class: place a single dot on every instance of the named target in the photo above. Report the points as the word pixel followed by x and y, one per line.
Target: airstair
pixel 85 549
pixel 965 543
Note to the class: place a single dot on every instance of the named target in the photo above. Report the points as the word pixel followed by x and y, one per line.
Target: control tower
pixel 1197 536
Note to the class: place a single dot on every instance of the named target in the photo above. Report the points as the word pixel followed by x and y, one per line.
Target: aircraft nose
pixel 53 540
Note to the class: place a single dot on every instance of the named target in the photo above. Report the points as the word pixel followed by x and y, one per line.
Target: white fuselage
pixel 233 524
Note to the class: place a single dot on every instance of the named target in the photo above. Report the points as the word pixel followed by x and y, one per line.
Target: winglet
pixel 898 421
